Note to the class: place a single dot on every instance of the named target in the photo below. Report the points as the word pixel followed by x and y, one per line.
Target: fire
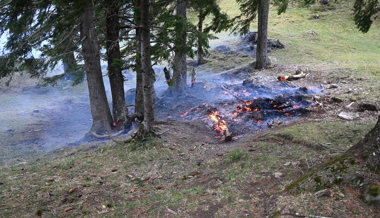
pixel 115 121
pixel 287 114
pixel 213 116
pixel 282 79
pixel 259 121
pixel 296 106
pixel 185 113
pixel 220 124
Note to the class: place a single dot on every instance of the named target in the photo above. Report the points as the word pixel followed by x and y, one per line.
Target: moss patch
pixel 334 172
pixel 374 190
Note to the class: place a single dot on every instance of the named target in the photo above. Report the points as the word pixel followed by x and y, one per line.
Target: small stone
pixel 311 32
pixel 347 116
pixel 332 86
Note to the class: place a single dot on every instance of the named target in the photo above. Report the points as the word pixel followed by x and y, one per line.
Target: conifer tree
pixel 219 22
pixel 29 23
pixel 249 9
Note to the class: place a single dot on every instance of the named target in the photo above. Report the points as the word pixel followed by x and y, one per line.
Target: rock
pixel 347 116
pixel 311 32
pixel 332 86
pixel 275 44
pixel 324 2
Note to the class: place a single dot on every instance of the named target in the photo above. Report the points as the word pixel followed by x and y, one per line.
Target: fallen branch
pixel 223 86
pixel 227 134
pixel 298 75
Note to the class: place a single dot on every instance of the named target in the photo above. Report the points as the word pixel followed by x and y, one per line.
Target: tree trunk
pixel 146 69
pixel 101 115
pixel 139 100
pixel 180 67
pixel 69 62
pixel 200 30
pixel 368 149
pixel 115 75
pixel 261 53
pixel 346 167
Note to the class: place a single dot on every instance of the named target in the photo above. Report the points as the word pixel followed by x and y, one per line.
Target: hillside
pixel 188 171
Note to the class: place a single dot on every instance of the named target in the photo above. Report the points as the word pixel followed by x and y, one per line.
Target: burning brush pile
pixel 239 109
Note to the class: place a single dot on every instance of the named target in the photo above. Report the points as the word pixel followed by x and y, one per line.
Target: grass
pixel 338 43
pixel 335 135
pixel 159 178
pixel 118 181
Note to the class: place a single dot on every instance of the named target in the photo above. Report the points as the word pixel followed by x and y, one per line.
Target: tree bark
pixel 101 115
pixel 119 110
pixel 139 100
pixel 261 53
pixel 180 67
pixel 367 150
pixel 69 62
pixel 146 70
pixel 200 30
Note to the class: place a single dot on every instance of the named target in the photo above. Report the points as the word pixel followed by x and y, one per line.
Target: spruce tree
pixel 29 23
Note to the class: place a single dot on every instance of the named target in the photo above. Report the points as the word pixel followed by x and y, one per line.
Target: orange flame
pixel 220 124
pixel 296 106
pixel 185 113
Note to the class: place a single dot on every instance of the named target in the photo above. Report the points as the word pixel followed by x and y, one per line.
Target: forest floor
pixel 188 171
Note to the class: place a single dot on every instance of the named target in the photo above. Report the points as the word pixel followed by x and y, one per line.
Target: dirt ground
pixel 188 171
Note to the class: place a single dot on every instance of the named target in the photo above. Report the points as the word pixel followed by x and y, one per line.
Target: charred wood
pixel 192 77
pixel 298 75
pixel 227 135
